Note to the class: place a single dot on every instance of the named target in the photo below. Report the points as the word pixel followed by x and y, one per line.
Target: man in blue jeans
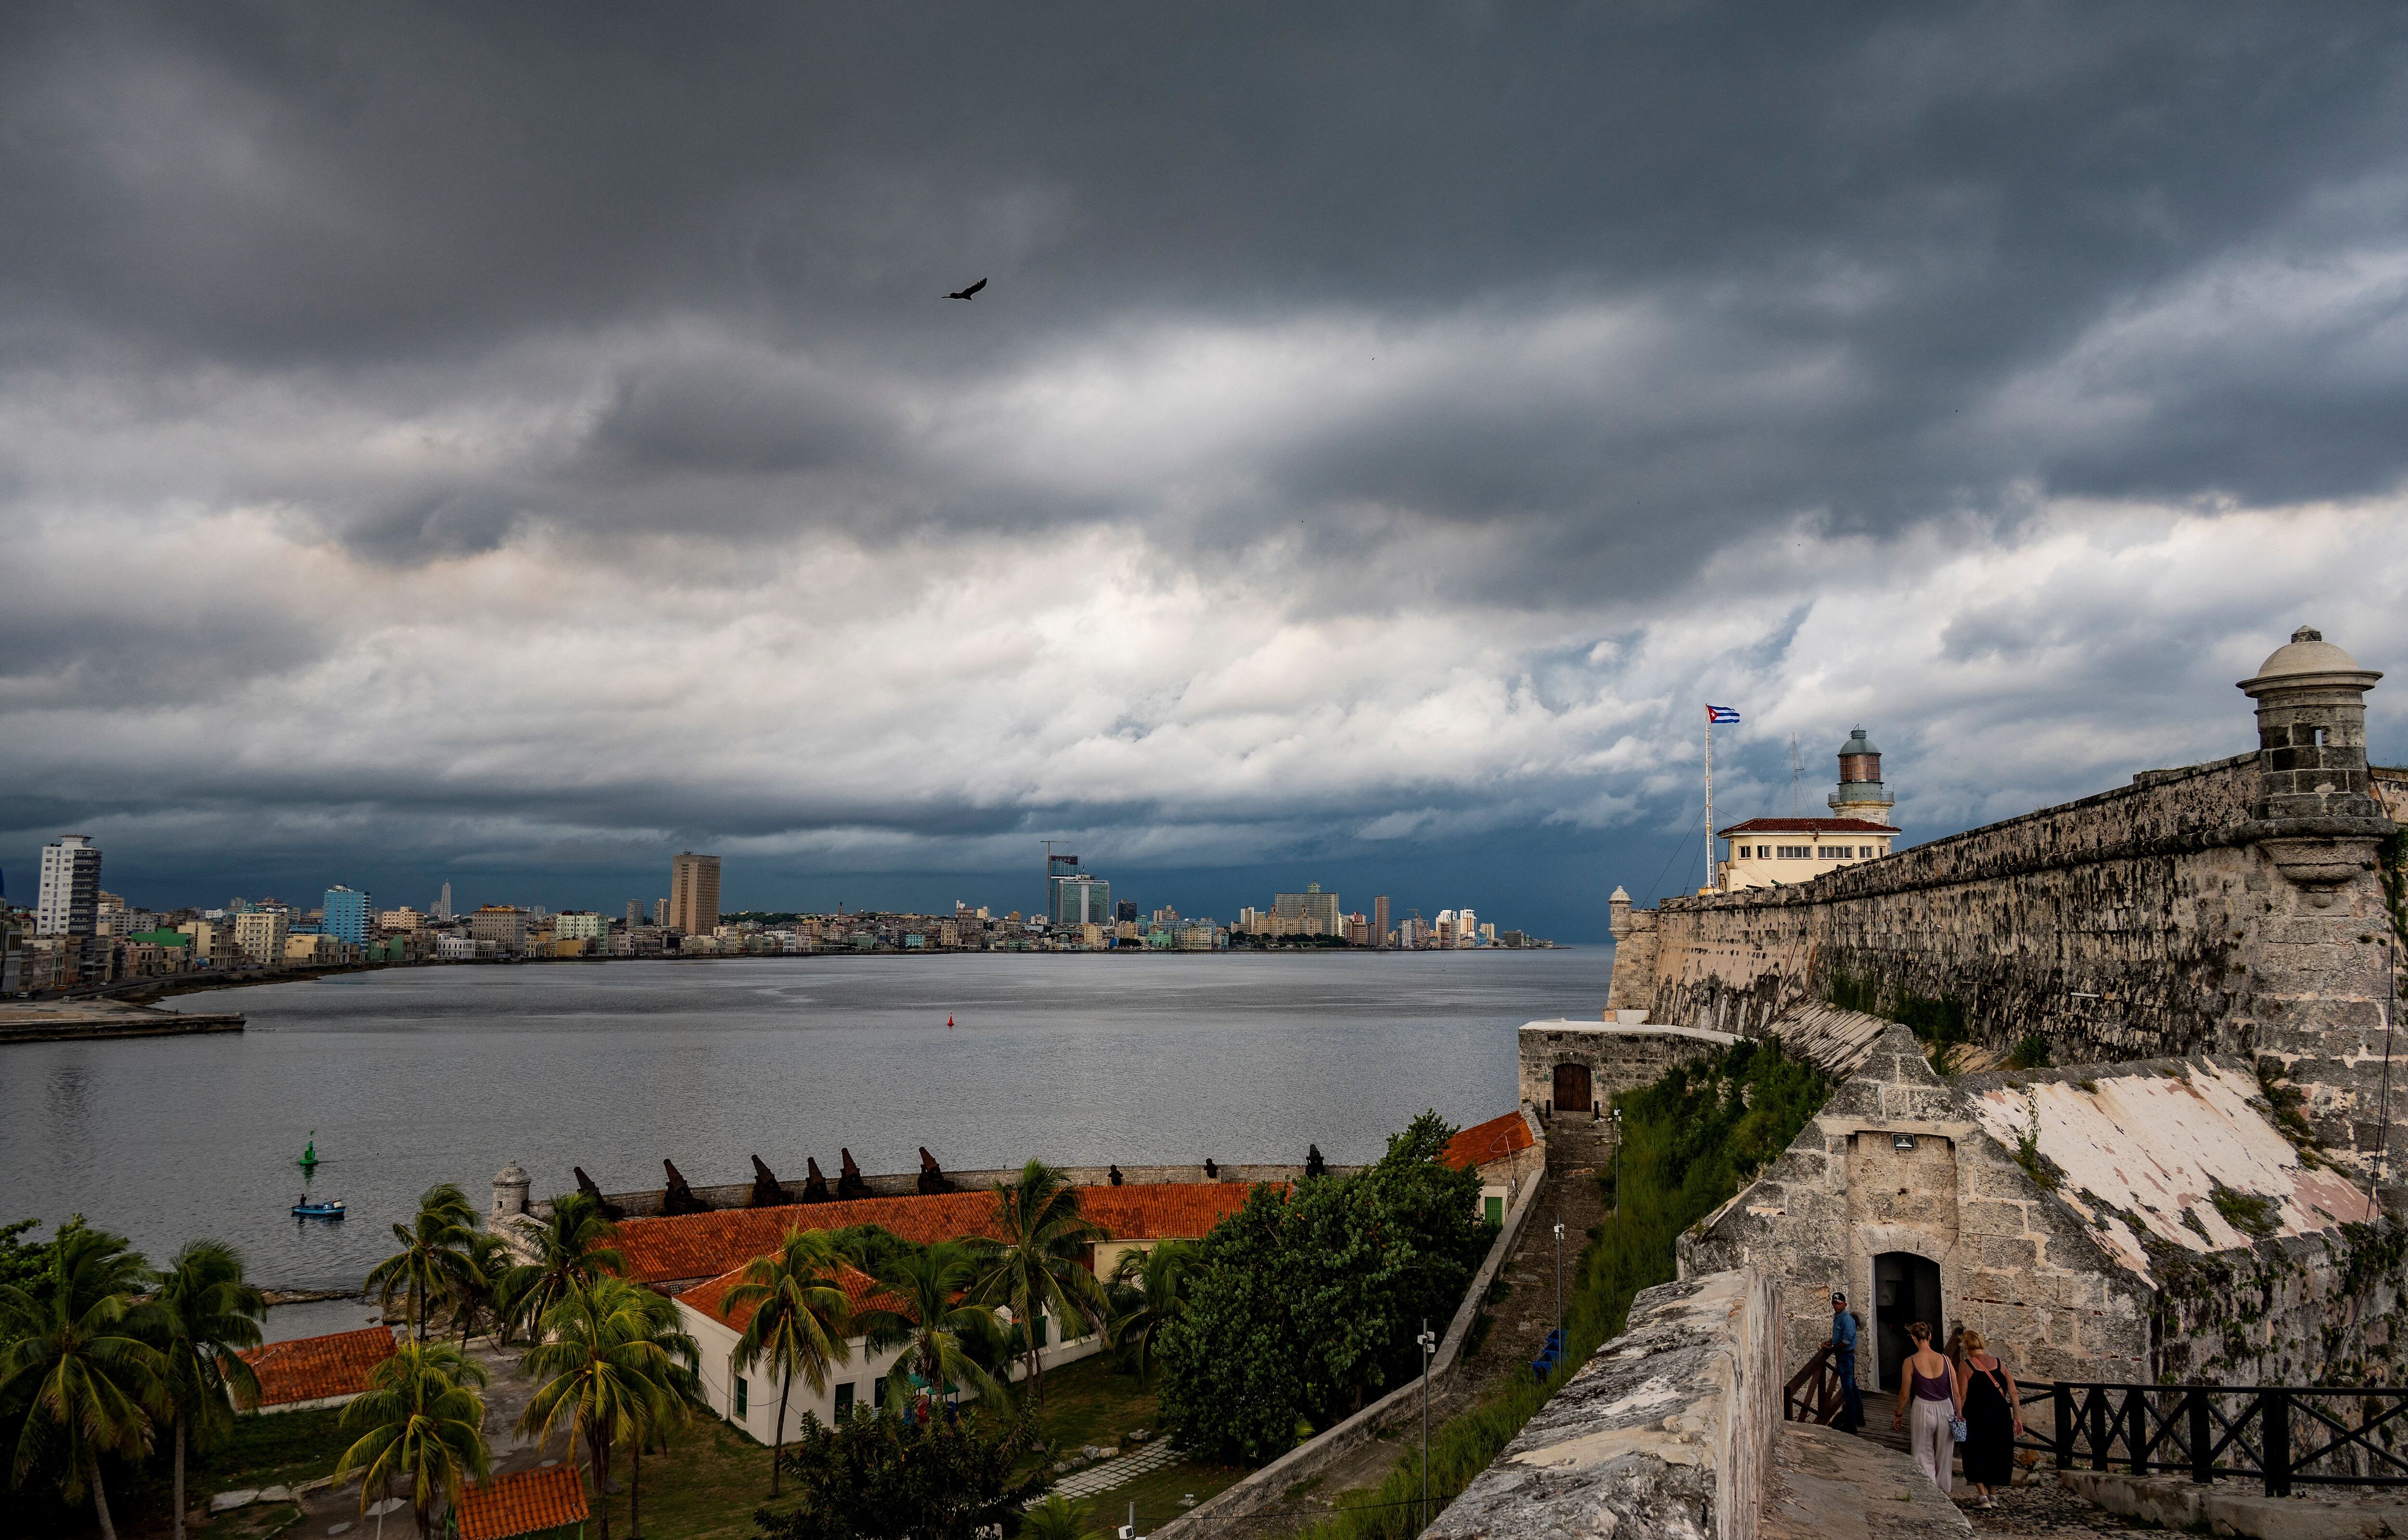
pixel 1844 1352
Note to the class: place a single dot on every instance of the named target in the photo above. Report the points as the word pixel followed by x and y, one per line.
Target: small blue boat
pixel 331 1209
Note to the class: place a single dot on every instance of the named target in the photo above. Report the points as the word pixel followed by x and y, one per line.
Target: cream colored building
pixel 259 935
pixel 1775 852
pixel 694 893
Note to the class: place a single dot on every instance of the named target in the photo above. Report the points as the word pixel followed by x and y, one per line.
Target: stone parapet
pixel 1666 1430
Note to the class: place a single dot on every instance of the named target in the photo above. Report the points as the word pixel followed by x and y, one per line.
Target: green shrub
pixel 1303 1305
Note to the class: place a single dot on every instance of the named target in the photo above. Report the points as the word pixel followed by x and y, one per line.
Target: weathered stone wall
pixel 2013 1264
pixel 1666 1430
pixel 2302 1310
pixel 1617 1057
pixel 2161 918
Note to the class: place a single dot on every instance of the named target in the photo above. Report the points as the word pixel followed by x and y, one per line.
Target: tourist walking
pixel 1994 1421
pixel 1929 1383
pixel 1843 1354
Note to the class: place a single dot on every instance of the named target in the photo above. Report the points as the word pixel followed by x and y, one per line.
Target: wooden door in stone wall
pixel 1571 1088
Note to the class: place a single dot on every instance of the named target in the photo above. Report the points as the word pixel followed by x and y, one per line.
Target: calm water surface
pixel 412 1076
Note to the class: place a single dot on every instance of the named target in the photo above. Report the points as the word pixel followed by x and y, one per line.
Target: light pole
pixel 1617 1162
pixel 1559 1286
pixel 1428 1346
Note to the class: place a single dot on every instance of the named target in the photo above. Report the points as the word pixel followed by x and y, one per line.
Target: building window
pixel 1794 853
pixel 743 1396
pixel 1495 1206
pixel 1832 852
pixel 1864 852
pixel 844 1401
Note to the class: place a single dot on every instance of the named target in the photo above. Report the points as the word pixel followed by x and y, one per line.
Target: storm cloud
pixel 521 442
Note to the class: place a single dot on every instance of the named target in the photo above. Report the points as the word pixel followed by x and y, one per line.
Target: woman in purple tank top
pixel 1929 1385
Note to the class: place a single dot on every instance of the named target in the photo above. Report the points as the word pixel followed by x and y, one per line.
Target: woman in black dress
pixel 1993 1420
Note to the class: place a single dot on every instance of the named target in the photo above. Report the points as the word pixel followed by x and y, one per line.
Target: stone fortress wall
pixel 1619 1055
pixel 2230 907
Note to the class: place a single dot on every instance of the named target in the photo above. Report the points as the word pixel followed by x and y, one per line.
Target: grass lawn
pixel 1090 1402
pixel 708 1484
pixel 705 1488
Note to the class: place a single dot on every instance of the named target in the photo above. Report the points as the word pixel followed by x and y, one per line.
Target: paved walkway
pixel 1111 1473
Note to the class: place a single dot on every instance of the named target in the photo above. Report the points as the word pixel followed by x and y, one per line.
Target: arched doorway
pixel 1906 1289
pixel 1571 1088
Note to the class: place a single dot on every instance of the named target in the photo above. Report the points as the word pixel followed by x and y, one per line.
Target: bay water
pixel 406 1077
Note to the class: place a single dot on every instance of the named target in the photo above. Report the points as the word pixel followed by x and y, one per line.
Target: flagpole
pixel 1712 877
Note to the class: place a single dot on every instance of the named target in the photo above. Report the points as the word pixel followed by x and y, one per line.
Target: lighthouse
pixel 1776 852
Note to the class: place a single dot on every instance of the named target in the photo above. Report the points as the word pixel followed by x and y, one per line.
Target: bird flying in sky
pixel 970 292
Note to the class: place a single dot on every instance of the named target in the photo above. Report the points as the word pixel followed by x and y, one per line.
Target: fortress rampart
pixel 2230 907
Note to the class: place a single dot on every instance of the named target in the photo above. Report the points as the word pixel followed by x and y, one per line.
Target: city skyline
pixel 381 507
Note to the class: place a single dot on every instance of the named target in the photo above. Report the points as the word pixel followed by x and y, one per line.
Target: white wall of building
pixel 721 1372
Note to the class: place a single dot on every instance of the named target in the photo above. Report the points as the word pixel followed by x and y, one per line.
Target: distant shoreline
pixel 186 983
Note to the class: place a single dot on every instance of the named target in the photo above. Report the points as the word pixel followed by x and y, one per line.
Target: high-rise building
pixel 694 893
pixel 660 912
pixel 443 903
pixel 1380 920
pixel 1073 898
pixel 634 914
pixel 1467 928
pixel 346 916
pixel 259 935
pixel 1124 910
pixel 1311 904
pixel 68 901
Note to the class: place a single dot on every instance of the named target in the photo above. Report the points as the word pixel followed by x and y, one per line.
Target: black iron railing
pixel 2286 1435
pixel 2283 1435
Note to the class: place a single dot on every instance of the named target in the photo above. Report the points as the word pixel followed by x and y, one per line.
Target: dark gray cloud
pixel 1376 429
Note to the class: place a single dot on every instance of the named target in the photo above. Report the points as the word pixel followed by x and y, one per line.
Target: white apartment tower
pixel 69 903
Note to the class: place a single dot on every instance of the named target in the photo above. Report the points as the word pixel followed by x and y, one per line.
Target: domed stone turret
pixel 509 1191
pixel 2311 699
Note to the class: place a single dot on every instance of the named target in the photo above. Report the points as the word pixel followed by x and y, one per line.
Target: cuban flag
pixel 1722 714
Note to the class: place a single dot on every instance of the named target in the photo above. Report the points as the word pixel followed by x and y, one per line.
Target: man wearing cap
pixel 1844 1353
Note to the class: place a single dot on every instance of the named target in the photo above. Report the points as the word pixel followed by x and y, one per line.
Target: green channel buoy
pixel 310 1155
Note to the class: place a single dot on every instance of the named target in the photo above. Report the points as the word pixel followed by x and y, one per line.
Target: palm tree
pixel 599 1368
pixel 799 1319
pixel 209 1315
pixel 572 1248
pixel 433 1261
pixel 78 1352
pixel 1036 1266
pixel 1059 1518
pixel 1153 1288
pixel 420 1419
pixel 931 1320
pixel 677 1390
pixel 477 1290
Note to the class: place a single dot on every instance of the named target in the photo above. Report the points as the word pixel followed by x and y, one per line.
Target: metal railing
pixel 2285 1435
pixel 2282 1435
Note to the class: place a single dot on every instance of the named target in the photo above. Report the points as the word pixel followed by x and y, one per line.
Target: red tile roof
pixel 1807 826
pixel 1485 1141
pixel 704 1245
pixel 522 1503
pixel 860 1290
pixel 316 1368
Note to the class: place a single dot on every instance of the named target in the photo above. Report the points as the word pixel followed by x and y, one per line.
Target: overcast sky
pixel 508 444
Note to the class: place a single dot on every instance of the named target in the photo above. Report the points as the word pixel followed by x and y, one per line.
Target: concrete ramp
pixel 1834 1486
